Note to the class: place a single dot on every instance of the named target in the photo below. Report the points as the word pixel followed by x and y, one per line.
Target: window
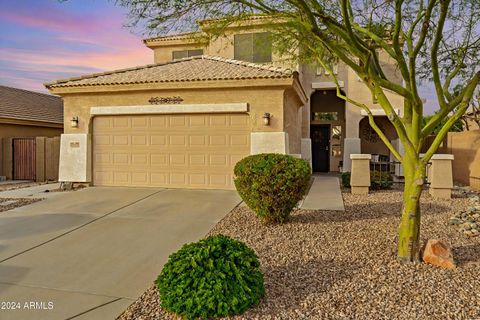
pixel 336 141
pixel 176 55
pixel 253 47
pixel 322 71
pixel 319 116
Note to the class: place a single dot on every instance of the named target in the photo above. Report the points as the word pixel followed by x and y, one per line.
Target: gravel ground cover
pixel 342 265
pixel 13 186
pixel 12 203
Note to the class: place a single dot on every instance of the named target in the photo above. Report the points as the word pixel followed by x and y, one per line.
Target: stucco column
pixel 269 142
pixel 306 149
pixel 75 158
pixel 360 176
pixel 350 146
pixel 440 176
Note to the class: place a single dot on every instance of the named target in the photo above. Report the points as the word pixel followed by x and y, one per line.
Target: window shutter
pixel 243 47
pixel 195 52
pixel 176 55
pixel 262 47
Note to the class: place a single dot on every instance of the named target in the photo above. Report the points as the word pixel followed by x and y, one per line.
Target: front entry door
pixel 320 135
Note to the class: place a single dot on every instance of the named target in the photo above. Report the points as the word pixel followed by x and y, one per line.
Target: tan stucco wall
pixel 465 146
pixel 293 120
pixel 260 100
pixel 356 90
pixel 8 130
pixel 219 46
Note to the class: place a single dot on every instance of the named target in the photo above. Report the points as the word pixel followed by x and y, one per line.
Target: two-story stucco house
pixel 185 120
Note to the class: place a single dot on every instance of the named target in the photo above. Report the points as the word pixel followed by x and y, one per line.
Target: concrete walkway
pixel 39 191
pixel 324 194
pixel 92 252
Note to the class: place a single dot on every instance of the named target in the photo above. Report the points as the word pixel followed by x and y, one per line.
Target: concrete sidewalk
pixel 324 194
pixel 92 252
pixel 39 191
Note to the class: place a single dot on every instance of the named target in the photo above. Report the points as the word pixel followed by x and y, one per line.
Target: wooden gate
pixel 24 158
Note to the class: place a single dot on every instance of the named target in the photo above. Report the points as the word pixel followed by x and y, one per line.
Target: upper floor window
pixel 176 55
pixel 322 71
pixel 253 47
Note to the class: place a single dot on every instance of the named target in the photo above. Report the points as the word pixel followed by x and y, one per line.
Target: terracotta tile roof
pixel 29 105
pixel 201 68
pixel 177 36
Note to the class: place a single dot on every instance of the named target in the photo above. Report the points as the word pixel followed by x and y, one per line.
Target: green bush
pixel 272 184
pixel 380 180
pixel 346 179
pixel 215 277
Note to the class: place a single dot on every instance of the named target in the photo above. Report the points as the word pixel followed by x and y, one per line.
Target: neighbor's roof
pixel 201 68
pixel 29 105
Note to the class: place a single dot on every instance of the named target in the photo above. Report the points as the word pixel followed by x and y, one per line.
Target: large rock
pixel 438 254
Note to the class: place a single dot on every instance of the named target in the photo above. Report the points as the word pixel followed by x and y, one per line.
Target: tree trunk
pixel 409 230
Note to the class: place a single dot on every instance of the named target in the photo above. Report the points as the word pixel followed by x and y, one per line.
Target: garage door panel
pixel 120 140
pixel 158 140
pixel 237 121
pixel 139 159
pixel 140 122
pixel 177 121
pixel 121 178
pixel 195 151
pixel 198 122
pixel 103 177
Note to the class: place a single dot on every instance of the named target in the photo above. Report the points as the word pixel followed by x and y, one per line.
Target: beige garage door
pixel 178 151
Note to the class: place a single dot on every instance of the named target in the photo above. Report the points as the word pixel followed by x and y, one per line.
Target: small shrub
pixel 215 277
pixel 272 184
pixel 380 180
pixel 346 179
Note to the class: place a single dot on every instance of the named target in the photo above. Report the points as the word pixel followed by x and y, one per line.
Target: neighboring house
pixel 185 120
pixel 24 116
pixel 471 120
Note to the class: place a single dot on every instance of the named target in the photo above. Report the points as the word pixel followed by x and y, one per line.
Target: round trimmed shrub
pixel 215 277
pixel 272 184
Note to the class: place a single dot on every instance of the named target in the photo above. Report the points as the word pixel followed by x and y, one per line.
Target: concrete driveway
pixel 88 254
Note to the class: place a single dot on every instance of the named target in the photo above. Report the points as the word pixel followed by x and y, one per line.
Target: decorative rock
pixel 455 221
pixel 438 254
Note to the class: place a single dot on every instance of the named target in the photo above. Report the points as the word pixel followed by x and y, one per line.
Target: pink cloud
pixel 65 60
pixel 24 83
pixel 51 18
pixel 74 44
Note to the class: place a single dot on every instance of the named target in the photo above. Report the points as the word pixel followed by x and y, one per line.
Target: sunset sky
pixel 46 40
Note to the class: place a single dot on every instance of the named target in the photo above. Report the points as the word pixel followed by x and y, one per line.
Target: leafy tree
pixel 456 127
pixel 435 40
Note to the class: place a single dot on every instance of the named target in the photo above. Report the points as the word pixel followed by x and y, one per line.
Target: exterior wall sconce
pixel 74 122
pixel 266 118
